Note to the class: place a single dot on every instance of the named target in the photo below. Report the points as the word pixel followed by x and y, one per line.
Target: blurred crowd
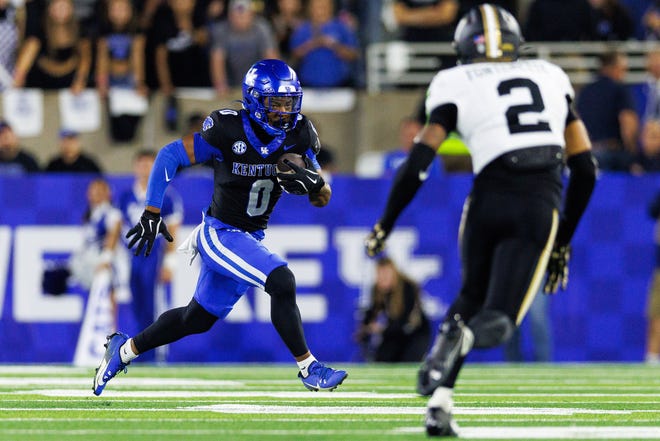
pixel 164 44
pixel 159 46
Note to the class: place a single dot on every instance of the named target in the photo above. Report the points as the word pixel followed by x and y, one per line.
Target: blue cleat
pixel 321 377
pixel 111 364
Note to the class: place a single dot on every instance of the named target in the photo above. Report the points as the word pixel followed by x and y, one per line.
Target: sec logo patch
pixel 207 124
pixel 239 147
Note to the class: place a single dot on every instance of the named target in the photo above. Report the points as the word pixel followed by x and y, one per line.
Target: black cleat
pixel 452 342
pixel 440 423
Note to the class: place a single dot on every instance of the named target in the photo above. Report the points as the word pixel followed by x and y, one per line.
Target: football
pixel 292 157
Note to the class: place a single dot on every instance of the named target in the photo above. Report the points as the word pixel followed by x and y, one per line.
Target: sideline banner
pixel 600 318
pixel 97 322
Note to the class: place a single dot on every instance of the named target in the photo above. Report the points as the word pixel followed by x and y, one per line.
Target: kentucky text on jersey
pixel 238 168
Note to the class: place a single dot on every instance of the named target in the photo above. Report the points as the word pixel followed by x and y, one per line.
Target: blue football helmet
pixel 272 78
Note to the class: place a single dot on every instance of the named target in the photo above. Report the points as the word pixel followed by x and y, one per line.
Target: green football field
pixel 376 402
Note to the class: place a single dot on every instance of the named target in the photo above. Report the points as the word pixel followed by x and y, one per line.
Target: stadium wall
pixel 367 122
pixel 600 318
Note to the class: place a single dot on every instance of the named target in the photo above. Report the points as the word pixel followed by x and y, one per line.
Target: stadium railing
pixel 397 64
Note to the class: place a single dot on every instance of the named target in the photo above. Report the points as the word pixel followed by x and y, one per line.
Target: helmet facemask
pixel 272 96
pixel 281 110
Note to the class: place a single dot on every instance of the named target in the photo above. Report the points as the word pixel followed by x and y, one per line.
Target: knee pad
pixel 491 328
pixel 281 283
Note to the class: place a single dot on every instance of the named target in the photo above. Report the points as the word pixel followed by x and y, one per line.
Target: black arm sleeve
pixel 580 186
pixel 407 181
pixel 570 115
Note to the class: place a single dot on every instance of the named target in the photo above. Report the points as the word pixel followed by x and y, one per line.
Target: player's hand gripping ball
pixel 297 159
pixel 294 177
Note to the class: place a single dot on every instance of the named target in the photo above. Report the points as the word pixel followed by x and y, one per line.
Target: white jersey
pixel 504 106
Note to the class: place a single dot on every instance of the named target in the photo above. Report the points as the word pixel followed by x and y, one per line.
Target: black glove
pixel 375 241
pixel 146 230
pixel 301 181
pixel 557 269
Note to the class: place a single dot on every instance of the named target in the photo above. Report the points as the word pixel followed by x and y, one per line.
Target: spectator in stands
pixel 560 20
pixel 71 158
pixel 653 306
pixel 392 160
pixel 11 24
pixel 426 20
pixel 286 16
pixel 87 14
pixel 509 5
pixel 13 158
pixel 120 62
pixel 394 325
pixel 181 47
pixel 647 97
pixel 237 43
pixel 649 155
pixel 613 20
pixel 215 11
pixel 608 111
pixel 120 49
pixel 324 48
pixel 56 57
pixel 647 94
pixel 651 21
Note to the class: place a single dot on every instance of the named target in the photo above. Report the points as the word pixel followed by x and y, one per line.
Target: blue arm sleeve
pixel 170 158
pixel 312 157
pixel 205 151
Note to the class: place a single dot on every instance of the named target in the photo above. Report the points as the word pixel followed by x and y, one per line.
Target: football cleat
pixel 111 364
pixel 452 342
pixel 440 423
pixel 321 377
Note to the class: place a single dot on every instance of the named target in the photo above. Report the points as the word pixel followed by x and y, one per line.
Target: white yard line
pixel 371 410
pixel 210 394
pixel 600 432
pixel 128 381
pixel 603 432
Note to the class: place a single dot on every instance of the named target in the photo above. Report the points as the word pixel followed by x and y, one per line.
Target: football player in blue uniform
pixel 517 120
pixel 244 147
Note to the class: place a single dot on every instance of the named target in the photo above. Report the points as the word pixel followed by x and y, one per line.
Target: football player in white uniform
pixel 516 118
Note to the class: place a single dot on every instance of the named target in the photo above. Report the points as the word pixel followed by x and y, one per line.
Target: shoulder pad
pixel 217 122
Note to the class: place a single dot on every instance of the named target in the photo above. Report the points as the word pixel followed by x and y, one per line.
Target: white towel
pixel 189 245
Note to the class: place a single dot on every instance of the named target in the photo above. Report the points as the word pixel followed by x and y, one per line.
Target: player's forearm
pixel 580 186
pixel 407 181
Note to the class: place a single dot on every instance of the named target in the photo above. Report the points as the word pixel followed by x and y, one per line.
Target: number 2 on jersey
pixel 513 112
